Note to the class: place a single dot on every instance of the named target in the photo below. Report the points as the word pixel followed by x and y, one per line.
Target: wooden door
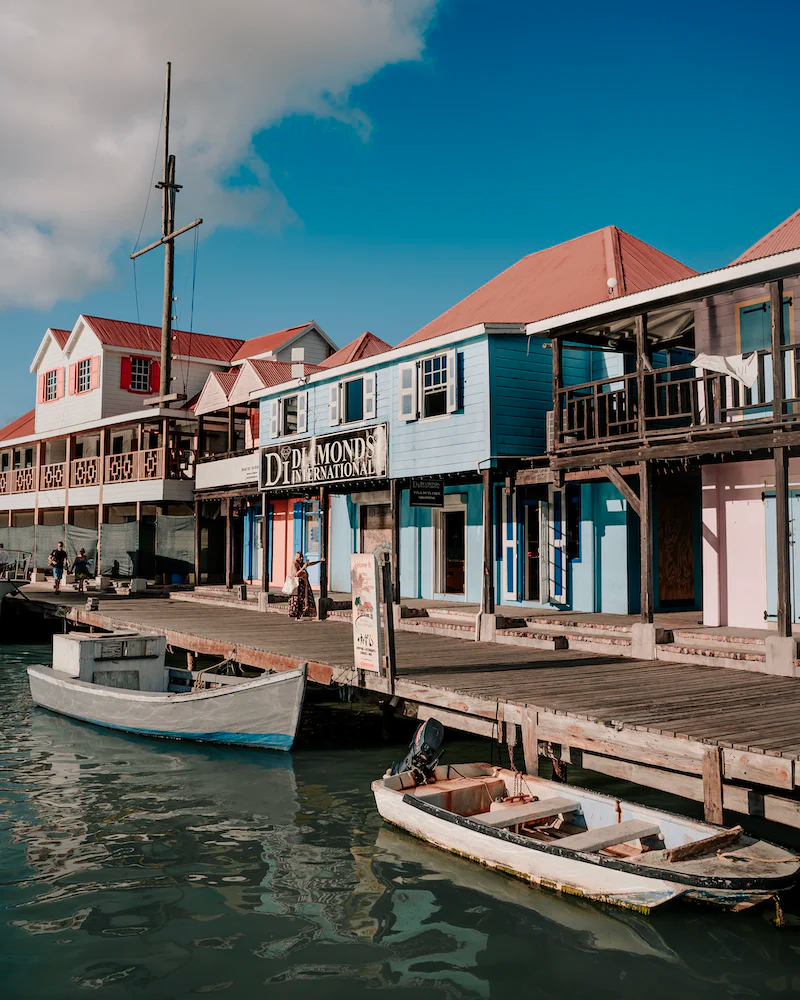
pixel 675 539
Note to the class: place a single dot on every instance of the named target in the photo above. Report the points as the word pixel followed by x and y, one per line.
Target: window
pixel 353 400
pixel 289 415
pixel 140 374
pixel 754 322
pixel 51 385
pixel 435 375
pixel 5 461
pixel 85 375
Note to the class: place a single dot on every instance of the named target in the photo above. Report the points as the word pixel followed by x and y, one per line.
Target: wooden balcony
pixel 129 467
pixel 673 406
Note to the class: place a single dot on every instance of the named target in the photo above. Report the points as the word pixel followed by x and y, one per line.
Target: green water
pixel 138 868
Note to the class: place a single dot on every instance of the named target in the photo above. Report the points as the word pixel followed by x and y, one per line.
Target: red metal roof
pixel 276 372
pixel 62 336
pixel 21 427
pixel 365 346
pixel 785 236
pixel 227 380
pixel 268 342
pixel 138 337
pixel 561 278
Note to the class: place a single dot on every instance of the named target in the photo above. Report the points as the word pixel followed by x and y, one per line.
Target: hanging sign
pixel 366 612
pixel 427 492
pixel 330 458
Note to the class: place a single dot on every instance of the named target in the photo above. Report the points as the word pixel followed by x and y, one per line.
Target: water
pixel 136 868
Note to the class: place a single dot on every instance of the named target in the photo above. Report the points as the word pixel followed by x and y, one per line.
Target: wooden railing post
pixel 646 540
pixel 776 308
pixel 641 355
pixel 558 382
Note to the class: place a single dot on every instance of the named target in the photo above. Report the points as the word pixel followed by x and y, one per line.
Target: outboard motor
pixel 422 756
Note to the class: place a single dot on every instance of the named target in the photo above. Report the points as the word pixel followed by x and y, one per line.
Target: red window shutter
pixel 254 423
pixel 40 394
pixel 59 383
pixel 125 374
pixel 73 379
pixel 94 378
pixel 155 376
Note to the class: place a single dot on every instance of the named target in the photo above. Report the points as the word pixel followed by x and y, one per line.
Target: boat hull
pixel 548 871
pixel 261 713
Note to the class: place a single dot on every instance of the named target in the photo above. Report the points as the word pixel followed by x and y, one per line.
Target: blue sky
pixel 522 125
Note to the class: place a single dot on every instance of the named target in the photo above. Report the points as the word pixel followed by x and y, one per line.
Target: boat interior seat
pixel 609 836
pixel 463 796
pixel 503 814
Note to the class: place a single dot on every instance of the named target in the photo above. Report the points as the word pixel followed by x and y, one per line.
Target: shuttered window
pixel 84 375
pixel 140 375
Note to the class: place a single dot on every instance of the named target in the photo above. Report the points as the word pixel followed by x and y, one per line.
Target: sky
pixel 368 163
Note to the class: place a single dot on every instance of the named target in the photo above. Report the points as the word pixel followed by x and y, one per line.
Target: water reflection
pixel 131 865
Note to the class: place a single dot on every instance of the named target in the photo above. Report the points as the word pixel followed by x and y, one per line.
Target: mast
pixel 169 190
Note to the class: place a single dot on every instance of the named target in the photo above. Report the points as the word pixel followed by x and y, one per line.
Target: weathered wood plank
pixel 712 785
pixel 530 740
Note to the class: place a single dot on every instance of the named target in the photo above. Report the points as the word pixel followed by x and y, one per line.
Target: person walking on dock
pixel 59 560
pixel 80 567
pixel 302 603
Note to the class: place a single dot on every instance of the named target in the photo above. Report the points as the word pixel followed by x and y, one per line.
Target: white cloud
pixel 82 83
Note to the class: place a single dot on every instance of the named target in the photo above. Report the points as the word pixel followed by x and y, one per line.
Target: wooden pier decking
pixel 726 738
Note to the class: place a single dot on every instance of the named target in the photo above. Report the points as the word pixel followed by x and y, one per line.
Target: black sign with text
pixel 427 492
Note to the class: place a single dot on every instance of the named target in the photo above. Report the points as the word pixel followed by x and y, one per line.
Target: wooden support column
pixel 228 543
pixel 266 554
pixel 197 540
pixel 231 429
pixel 322 608
pixel 396 501
pixel 782 538
pixel 641 356
pixel 776 311
pixel 712 785
pixel 68 463
pixel 101 510
pixel 487 595
pixel 558 383
pixel 646 540
pixel 530 740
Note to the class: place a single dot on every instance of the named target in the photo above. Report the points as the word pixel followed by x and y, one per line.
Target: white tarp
pixel 742 367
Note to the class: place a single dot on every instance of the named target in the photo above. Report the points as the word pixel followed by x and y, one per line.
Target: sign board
pixel 367 645
pixel 428 492
pixel 237 471
pixel 331 458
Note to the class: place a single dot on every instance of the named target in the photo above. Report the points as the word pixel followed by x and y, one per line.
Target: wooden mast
pixel 169 190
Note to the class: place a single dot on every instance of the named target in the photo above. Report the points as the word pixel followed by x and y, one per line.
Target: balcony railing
pixel 52 477
pixel 85 471
pixel 131 466
pixel 676 401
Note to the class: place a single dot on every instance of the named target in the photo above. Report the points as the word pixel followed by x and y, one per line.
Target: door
pixel 532 560
pixel 675 541
pixel 509 545
pixel 258 549
pixel 794 556
pixel 454 550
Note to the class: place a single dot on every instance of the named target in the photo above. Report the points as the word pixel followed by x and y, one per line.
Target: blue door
pixel 794 555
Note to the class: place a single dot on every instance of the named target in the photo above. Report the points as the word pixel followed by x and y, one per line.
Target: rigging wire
pixel 191 310
pixel 146 206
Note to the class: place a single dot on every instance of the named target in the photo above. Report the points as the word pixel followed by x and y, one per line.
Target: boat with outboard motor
pixel 575 840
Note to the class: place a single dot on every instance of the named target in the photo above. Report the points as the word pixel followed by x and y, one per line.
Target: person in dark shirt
pixel 80 567
pixel 59 560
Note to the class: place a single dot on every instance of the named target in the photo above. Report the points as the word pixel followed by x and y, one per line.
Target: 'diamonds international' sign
pixel 330 458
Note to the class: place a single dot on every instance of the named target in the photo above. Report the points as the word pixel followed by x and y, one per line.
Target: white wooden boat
pixel 577 841
pixel 119 681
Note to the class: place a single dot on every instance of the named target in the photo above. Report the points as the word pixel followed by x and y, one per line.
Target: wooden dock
pixel 724 737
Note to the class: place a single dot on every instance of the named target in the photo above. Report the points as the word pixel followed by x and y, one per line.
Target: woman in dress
pixel 302 603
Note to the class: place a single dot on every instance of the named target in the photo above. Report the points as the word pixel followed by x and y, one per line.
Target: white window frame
pixel 140 374
pixel 277 415
pixel 412 390
pixel 51 385
pixel 83 380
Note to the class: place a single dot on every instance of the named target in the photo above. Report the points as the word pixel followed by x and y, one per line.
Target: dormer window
pixel 51 385
pixel 85 375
